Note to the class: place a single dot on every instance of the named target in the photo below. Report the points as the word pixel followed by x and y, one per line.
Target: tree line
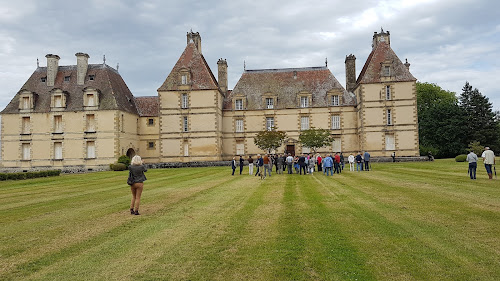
pixel 450 125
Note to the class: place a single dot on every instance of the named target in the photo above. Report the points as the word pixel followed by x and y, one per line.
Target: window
pixel 151 122
pixel 58 151
pixel 67 78
pixel 185 101
pixel 304 122
pixel 26 103
pixel 240 148
pixel 387 70
pixel 185 124
pixel 389 117
pixel 57 101
pixel 184 79
pixel 90 124
pixel 269 103
pixel 151 145
pixel 90 100
pixel 91 77
pixel 335 122
pixel 390 144
pixel 239 126
pixel 304 102
pixel 26 148
pixel 26 125
pixel 270 123
pixel 388 92
pixel 91 149
pixel 238 104
pixel 43 79
pixel 58 124
pixel 335 100
pixel 186 148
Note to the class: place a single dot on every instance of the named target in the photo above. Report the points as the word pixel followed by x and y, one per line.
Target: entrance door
pixel 130 153
pixel 290 149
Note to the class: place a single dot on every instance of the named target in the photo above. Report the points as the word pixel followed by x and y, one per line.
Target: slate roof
pixel 148 106
pixel 317 81
pixel 113 92
pixel 372 69
pixel 202 77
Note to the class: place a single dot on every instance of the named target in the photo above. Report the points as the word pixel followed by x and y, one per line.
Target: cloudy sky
pixel 447 42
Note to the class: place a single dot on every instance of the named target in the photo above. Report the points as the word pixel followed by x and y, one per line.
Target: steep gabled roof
pixel 148 106
pixel 286 84
pixel 202 77
pixel 372 70
pixel 113 92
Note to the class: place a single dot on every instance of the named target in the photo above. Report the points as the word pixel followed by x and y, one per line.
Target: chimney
pixel 384 37
pixel 407 64
pixel 350 72
pixel 222 76
pixel 52 68
pixel 82 63
pixel 195 38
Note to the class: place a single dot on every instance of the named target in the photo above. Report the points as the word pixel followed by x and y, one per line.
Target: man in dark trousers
pixel 366 156
pixel 302 164
pixel 242 162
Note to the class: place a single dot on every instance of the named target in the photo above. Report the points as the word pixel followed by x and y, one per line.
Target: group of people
pixel 303 164
pixel 488 160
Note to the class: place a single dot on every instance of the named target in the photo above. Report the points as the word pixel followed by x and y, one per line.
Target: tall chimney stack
pixel 222 76
pixel 82 63
pixel 195 38
pixel 52 68
pixel 350 72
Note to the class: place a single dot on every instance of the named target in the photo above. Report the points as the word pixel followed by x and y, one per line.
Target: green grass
pixel 400 221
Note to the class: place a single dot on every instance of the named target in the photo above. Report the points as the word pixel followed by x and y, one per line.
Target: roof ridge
pixel 288 69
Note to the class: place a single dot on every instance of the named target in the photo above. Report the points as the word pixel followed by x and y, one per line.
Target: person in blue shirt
pixel 328 164
pixel 367 161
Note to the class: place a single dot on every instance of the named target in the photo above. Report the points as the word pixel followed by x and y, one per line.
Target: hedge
pixel 118 167
pixel 29 175
pixel 461 158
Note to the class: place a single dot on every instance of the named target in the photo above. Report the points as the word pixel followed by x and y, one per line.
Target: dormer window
pixel 26 101
pixel 91 77
pixel 67 78
pixel 304 101
pixel 57 100
pixel 269 103
pixel 387 70
pixel 43 79
pixel 90 99
pixel 184 79
pixel 238 104
pixel 335 100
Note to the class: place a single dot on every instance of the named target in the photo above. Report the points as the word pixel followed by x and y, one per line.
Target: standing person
pixel 136 172
pixel 367 161
pixel 289 163
pixel 250 165
pixel 260 164
pixel 302 164
pixel 393 155
pixel 296 164
pixel 311 165
pixel 336 163
pixel 242 163
pixel 429 155
pixel 351 162
pixel 489 161
pixel 279 164
pixel 327 164
pixel 341 161
pixel 359 162
pixel 319 162
pixel 284 161
pixel 268 165
pixel 472 159
pixel 275 162
pixel 233 165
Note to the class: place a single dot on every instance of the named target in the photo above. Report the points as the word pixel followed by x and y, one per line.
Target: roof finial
pixel 244 65
pixel 381 30
pixel 37 63
pixel 104 59
pixel 117 66
pixel 326 62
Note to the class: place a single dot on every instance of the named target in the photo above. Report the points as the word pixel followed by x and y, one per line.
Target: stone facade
pixel 83 117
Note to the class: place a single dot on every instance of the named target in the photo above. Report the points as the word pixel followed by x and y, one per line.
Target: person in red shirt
pixel 318 160
pixel 336 163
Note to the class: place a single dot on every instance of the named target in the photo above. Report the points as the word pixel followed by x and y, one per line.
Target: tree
pixel 269 140
pixel 482 124
pixel 476 147
pixel 441 121
pixel 315 138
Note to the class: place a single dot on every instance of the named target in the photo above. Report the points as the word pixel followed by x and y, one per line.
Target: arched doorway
pixel 130 153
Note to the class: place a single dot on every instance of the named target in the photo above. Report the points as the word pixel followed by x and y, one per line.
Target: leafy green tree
pixel 315 138
pixel 477 147
pixel 441 121
pixel 482 123
pixel 269 140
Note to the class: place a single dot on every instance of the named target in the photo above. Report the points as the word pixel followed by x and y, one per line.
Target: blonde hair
pixel 136 160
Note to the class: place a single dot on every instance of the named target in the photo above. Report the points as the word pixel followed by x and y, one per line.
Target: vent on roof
pixel 67 78
pixel 43 79
pixel 91 77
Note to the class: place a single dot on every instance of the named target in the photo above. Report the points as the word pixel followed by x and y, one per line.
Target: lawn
pixel 400 221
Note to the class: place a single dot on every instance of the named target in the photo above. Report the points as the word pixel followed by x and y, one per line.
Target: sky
pixel 447 42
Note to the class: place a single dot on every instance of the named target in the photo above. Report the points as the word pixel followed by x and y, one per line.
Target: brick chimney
pixel 52 68
pixel 195 38
pixel 222 76
pixel 82 63
pixel 350 72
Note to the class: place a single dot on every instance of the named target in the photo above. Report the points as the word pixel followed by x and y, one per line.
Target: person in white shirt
pixel 489 161
pixel 351 162
pixel 289 163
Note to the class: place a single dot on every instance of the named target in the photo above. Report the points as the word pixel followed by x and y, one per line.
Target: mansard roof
pixel 113 92
pixel 193 61
pixel 286 84
pixel 372 70
pixel 148 106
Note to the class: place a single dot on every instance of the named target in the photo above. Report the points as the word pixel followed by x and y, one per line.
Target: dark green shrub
pixel 29 175
pixel 125 160
pixel 119 167
pixel 460 158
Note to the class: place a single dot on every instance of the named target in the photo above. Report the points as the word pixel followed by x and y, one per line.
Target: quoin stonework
pixel 85 116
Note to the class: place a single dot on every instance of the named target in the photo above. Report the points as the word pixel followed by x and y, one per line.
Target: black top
pixel 138 172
